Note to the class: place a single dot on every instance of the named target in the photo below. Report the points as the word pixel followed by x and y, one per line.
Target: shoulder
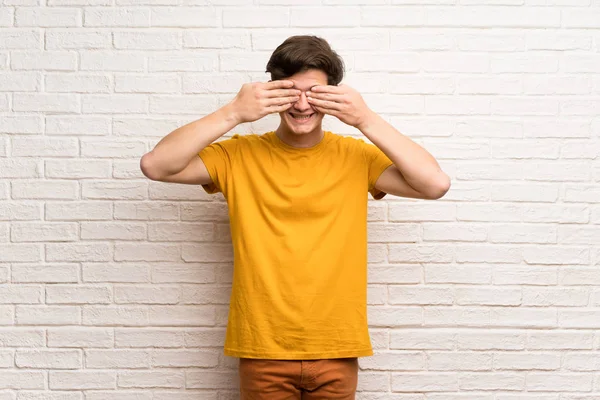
pixel 347 142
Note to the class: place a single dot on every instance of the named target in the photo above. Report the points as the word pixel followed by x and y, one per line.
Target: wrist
pixel 368 120
pixel 232 113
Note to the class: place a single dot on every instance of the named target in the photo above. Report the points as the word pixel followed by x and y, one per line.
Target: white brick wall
pixel 115 287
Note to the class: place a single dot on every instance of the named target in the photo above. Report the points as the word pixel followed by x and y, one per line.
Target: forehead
pixel 307 79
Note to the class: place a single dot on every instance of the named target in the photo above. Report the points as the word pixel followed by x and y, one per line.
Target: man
pixel 298 209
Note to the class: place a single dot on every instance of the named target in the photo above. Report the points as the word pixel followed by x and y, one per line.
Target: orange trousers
pixel 324 379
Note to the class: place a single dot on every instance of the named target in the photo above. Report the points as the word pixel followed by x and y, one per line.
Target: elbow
pixel 148 167
pixel 440 188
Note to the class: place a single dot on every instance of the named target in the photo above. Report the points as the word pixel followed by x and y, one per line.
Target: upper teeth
pixel 302 116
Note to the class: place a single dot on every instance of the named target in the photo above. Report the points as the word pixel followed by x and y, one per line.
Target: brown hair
pixel 301 53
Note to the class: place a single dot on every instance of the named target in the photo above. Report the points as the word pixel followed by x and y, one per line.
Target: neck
pixel 309 139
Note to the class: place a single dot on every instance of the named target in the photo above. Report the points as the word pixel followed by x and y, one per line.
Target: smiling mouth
pixel 300 117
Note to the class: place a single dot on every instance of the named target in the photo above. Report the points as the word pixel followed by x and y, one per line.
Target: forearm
pixel 174 152
pixel 418 167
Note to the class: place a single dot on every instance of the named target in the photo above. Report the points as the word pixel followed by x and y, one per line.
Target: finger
pixel 276 101
pixel 282 83
pixel 280 108
pixel 327 89
pixel 327 96
pixel 331 105
pixel 281 93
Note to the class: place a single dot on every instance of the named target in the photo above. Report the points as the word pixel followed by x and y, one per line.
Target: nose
pixel 302 104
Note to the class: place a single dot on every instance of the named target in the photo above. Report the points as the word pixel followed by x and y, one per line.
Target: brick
pixel 19 168
pixel 563 297
pixel 97 148
pixel 50 190
pixel 78 252
pixel 115 272
pixel 23 380
pixel 147 252
pixel 491 42
pixel 459 361
pixel 147 40
pixel 117 17
pixel 218 39
pixel 156 211
pixel 183 273
pixel 582 193
pixel 391 16
pixel 269 17
pixel 408 212
pixel 526 149
pixel 388 62
pixel 553 128
pixel 80 83
pixel 76 211
pixel 44 232
pixel 175 104
pixel 425 382
pixel 78 294
pixel 20 82
pixel 82 380
pixel 498 16
pixel 580 149
pixel 117 359
pixel 148 337
pixel 213 83
pixel 79 2
pixel 112 231
pixel 77 169
pixel 393 233
pixel 48 315
pixel 187 17
pixel 112 61
pixel 146 127
pixel 180 232
pixel 115 103
pixel 399 84
pixel 557 85
pixel 563 382
pixel 556 255
pixel 557 41
pixel 21 38
pixel 45 147
pixel 20 211
pixel 45 273
pixel 453 232
pixel 185 63
pixel 80 337
pixel 162 83
pixel 48 17
pixel 43 102
pixel 189 315
pixel 146 295
pixel 78 125
pixel 152 379
pixel 115 190
pixel 78 39
pixel 457 105
pixel 7 17
pixel 243 62
pixel 576 234
pixel 419 295
pixel 49 359
pixel 409 40
pixel 47 60
pixel 492 381
pixel 587 18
